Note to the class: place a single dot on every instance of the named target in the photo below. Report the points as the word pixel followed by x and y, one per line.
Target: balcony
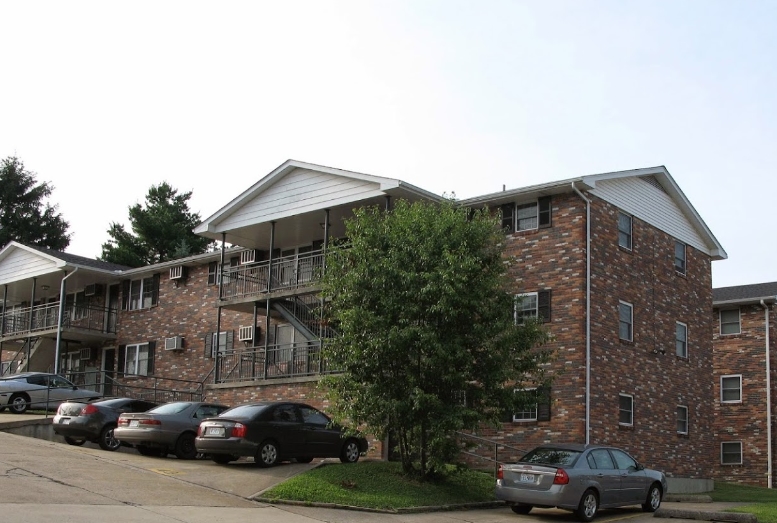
pixel 286 273
pixel 29 321
pixel 278 361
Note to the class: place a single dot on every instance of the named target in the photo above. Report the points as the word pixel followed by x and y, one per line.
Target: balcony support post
pixel 30 323
pixel 217 358
pixel 266 338
pixel 269 263
pixel 221 266
pixel 2 325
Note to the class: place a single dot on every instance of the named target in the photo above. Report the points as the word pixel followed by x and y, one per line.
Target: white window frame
pixel 518 303
pixel 218 343
pixel 533 222
pixel 723 453
pixel 628 235
pixel 136 350
pixel 144 294
pixel 681 263
pixel 682 419
pixel 529 412
pixel 738 323
pixel 622 303
pixel 681 343
pixel 630 411
pixel 722 390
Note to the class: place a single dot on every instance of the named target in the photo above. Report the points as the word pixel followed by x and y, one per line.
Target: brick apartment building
pixel 618 265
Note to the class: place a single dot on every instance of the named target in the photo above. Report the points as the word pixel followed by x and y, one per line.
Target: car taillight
pixel 122 422
pixel 239 431
pixel 149 422
pixel 500 473
pixel 89 409
pixel 562 478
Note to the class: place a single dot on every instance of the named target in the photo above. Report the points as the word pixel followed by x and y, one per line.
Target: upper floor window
pixel 729 321
pixel 626 321
pixel 534 215
pixel 140 294
pixel 681 339
pixel 218 341
pixel 679 257
pixel 532 305
pixel 731 389
pixel 625 409
pixel 624 231
pixel 682 419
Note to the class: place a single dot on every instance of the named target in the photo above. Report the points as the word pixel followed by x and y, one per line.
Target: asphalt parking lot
pixel 43 480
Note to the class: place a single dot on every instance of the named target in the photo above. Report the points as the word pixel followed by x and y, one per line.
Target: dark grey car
pixel 581 478
pixel 169 427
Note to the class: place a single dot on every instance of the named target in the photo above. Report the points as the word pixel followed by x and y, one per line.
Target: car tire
pixel 74 441
pixel 222 459
pixel 184 447
pixel 521 509
pixel 306 459
pixel 653 500
pixel 149 451
pixel 19 403
pixel 350 451
pixel 589 505
pixel 267 454
pixel 107 441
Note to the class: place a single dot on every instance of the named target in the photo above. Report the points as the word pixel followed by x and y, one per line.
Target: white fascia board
pixel 745 301
pixel 539 190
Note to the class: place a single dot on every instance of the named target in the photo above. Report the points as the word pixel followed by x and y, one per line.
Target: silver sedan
pixel 581 478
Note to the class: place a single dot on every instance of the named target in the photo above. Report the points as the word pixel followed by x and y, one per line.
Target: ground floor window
pixel 731 453
pixel 136 359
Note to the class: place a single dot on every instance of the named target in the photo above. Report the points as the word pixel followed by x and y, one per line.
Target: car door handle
pixel 600 475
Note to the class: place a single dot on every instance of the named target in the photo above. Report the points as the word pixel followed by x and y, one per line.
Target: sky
pixel 105 99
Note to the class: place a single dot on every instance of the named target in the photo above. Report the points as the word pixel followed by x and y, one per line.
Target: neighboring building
pixel 617 264
pixel 744 354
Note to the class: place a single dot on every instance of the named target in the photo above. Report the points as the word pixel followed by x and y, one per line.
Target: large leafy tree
pixel 427 341
pixel 161 230
pixel 24 217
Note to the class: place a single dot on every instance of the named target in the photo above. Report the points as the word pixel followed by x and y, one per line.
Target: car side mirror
pixel 640 466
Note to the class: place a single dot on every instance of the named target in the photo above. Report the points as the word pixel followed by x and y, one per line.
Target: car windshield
pixel 549 456
pixel 171 408
pixel 243 411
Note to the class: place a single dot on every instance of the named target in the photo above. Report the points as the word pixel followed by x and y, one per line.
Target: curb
pixel 688 498
pixel 734 517
pixel 408 510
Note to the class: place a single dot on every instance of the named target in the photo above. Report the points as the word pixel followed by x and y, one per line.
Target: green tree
pixel 23 215
pixel 161 230
pixel 427 341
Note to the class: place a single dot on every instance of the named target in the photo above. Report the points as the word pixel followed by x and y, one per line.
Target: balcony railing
pixel 44 317
pixel 278 361
pixel 288 272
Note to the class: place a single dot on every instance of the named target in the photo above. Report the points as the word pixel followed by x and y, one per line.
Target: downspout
pixel 62 287
pixel 768 400
pixel 587 314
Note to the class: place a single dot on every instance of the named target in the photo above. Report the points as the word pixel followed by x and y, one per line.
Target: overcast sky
pixel 105 99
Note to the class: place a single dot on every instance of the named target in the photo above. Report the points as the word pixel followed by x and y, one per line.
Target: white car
pixel 39 390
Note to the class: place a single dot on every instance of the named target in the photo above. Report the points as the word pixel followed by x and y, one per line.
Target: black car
pixel 277 431
pixel 79 422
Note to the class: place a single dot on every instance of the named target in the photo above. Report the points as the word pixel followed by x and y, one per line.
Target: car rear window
pixel 109 403
pixel 171 408
pixel 243 411
pixel 549 456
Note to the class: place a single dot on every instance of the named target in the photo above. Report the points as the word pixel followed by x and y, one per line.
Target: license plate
pixel 214 431
pixel 134 423
pixel 527 478
pixel 64 421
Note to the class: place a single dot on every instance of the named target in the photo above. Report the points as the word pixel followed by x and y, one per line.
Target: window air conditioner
pixel 178 272
pixel 247 257
pixel 174 343
pixel 246 333
pixel 86 354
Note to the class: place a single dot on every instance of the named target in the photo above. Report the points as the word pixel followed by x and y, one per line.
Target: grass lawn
pixel 764 500
pixel 381 485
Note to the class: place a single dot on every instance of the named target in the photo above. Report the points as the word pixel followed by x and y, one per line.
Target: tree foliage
pixel 427 340
pixel 24 217
pixel 161 230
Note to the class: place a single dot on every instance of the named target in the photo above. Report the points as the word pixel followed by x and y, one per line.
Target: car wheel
pixel 306 459
pixel 149 451
pixel 74 441
pixel 267 454
pixel 107 441
pixel 588 506
pixel 19 403
pixel 521 509
pixel 222 459
pixel 350 452
pixel 653 500
pixel 184 447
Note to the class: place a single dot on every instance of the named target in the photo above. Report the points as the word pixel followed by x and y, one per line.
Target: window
pixel 681 339
pixel 729 321
pixel 626 321
pixel 731 453
pixel 682 419
pixel 77 305
pixel 679 257
pixel 731 389
pixel 600 459
pixel 531 404
pixel 528 404
pixel 222 341
pixel 624 231
pixel 625 410
pixel 623 461
pixel 508 217
pixel 534 215
pixel 532 305
pixel 137 359
pixel 140 294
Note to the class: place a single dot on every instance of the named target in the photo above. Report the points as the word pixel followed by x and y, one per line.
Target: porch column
pixel 29 325
pixel 2 326
pixel 266 338
pixel 269 263
pixel 388 203
pixel 221 266
pixel 218 340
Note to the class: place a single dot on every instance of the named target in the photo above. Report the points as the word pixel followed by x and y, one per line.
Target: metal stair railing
pixel 496 446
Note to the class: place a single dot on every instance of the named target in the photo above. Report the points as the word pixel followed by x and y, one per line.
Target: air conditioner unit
pixel 179 272
pixel 93 289
pixel 174 343
pixel 247 257
pixel 86 354
pixel 245 333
